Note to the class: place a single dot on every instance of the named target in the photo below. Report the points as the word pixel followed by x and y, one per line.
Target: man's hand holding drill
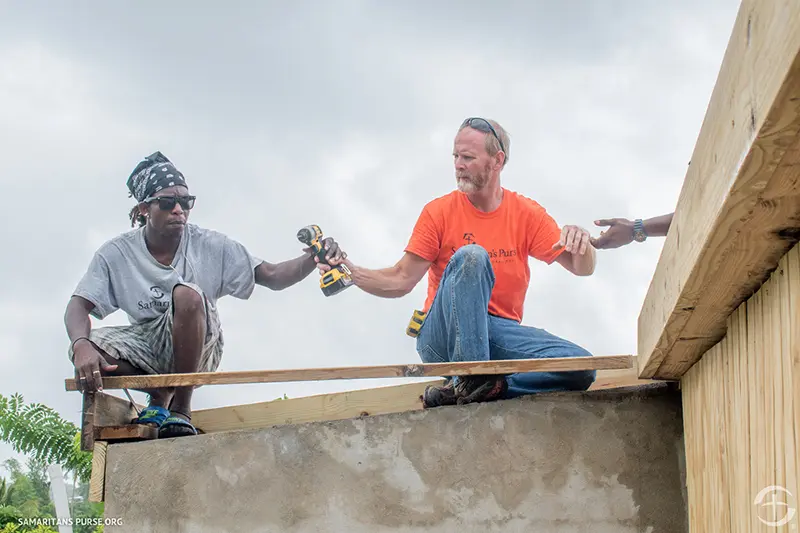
pixel 334 255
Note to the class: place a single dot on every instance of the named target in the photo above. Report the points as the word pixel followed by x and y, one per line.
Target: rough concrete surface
pixel 595 462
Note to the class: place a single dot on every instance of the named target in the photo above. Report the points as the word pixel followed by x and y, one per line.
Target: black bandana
pixel 156 172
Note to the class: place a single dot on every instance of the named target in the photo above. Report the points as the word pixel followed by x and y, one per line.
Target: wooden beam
pixel 97 481
pixel 365 372
pixel 615 379
pixel 100 409
pixel 112 411
pixel 321 407
pixel 739 210
pixel 352 404
pixel 87 422
pixel 125 433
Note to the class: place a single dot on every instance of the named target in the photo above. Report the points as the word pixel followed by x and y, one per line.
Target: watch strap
pixel 639 234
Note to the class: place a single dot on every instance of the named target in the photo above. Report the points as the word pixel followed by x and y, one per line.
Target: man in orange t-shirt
pixel 474 243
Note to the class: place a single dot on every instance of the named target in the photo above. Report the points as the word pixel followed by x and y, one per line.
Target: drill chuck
pixel 309 234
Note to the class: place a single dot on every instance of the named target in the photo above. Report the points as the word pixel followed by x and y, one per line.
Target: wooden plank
pixel 727 447
pixel 737 212
pixel 733 419
pixel 125 432
pixel 352 404
pixel 97 481
pixel 742 412
pixel 87 422
pixel 322 407
pixel 112 411
pixel 363 372
pixel 694 435
pixel 689 425
pixel 793 363
pixel 785 373
pixel 775 356
pixel 755 310
pixel 614 379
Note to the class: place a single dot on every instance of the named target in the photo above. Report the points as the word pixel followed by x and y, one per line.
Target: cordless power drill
pixel 335 280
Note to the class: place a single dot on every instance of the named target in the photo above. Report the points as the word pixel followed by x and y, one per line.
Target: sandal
pixel 175 426
pixel 152 415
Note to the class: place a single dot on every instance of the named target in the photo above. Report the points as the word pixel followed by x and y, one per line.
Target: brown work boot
pixel 480 388
pixel 439 395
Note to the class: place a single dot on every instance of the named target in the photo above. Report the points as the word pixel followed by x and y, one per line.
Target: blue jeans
pixel 458 327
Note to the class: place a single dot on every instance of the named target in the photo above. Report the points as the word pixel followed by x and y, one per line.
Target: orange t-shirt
pixel 519 228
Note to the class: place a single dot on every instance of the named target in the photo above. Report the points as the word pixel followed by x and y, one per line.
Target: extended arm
pixel 658 226
pixel 620 230
pixel 282 275
pixel 579 256
pixel 393 282
pixel 580 264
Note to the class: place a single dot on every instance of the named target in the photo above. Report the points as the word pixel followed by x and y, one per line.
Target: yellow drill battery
pixel 415 324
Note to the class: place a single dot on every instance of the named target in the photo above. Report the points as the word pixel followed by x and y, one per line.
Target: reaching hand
pixel 334 254
pixel 88 363
pixel 619 233
pixel 574 238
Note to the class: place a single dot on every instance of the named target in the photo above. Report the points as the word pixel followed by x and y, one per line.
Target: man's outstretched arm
pixel 282 275
pixel 579 256
pixel 620 230
pixel 393 282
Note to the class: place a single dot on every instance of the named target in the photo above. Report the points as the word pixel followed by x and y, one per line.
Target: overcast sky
pixel 340 114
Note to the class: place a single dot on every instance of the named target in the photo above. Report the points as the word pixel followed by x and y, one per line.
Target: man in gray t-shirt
pixel 167 276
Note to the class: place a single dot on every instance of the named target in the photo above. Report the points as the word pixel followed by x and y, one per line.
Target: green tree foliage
pixel 39 431
pixel 30 489
pixel 14 528
pixel 6 490
pixel 28 507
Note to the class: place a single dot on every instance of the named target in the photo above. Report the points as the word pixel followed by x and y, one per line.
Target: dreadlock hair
pixel 135 217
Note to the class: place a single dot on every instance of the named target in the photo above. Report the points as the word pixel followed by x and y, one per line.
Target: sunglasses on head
pixel 167 203
pixel 481 124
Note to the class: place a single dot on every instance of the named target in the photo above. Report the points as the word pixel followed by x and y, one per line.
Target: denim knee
pixel 472 258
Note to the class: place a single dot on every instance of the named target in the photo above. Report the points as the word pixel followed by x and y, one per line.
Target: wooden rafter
pixel 739 209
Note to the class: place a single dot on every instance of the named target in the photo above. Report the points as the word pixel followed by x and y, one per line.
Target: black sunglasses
pixel 167 203
pixel 481 124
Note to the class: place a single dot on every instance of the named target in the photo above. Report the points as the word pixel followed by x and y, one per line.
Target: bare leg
pixel 188 336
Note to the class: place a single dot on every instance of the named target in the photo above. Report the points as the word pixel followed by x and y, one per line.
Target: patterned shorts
pixel 148 346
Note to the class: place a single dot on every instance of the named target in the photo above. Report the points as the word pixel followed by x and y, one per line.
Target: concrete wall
pixel 596 462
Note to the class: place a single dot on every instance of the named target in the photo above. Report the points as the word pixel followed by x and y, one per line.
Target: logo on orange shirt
pixel 494 253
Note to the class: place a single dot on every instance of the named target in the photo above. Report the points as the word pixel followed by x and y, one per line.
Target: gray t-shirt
pixel 124 275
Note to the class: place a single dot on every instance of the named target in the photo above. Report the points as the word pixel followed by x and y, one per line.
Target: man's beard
pixel 469 184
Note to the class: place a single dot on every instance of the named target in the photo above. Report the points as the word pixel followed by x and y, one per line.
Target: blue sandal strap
pixel 152 414
pixel 177 421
